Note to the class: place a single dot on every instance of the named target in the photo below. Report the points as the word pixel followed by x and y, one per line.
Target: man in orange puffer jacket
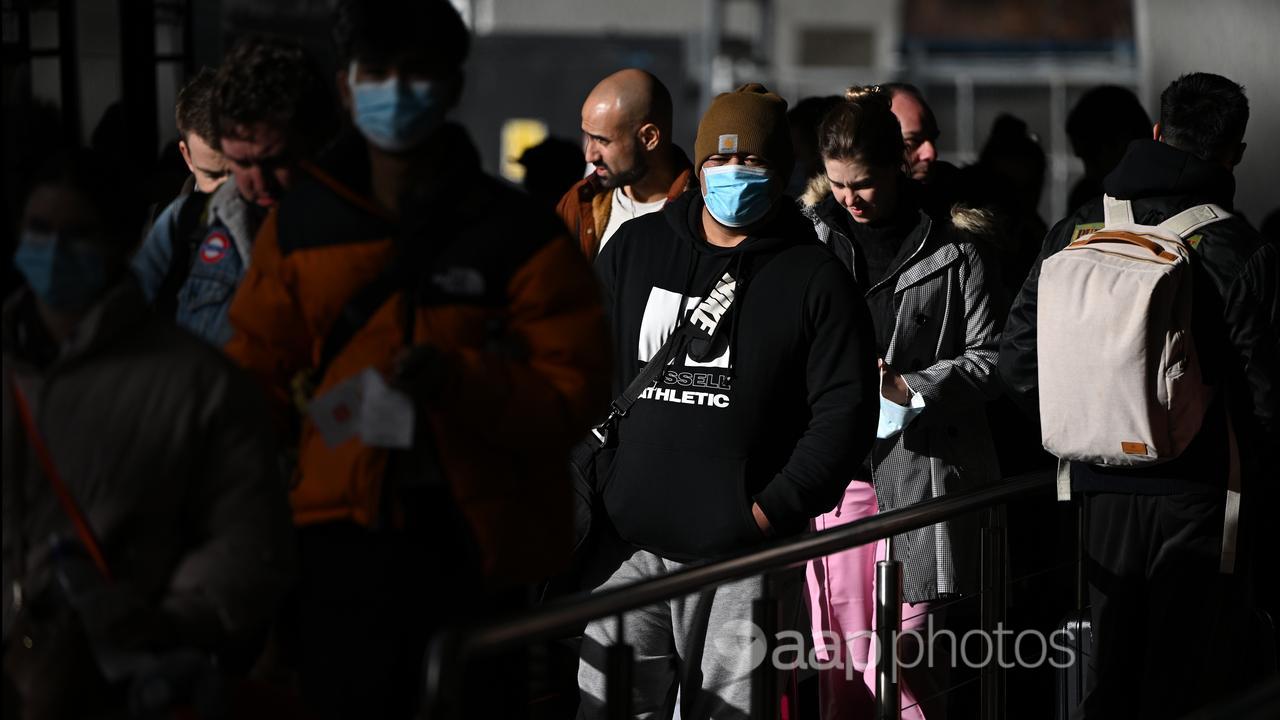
pixel 397 254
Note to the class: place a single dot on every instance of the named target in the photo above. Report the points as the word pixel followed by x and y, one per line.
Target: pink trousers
pixel 841 596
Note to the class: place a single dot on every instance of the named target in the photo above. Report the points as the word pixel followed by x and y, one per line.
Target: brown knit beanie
pixel 748 120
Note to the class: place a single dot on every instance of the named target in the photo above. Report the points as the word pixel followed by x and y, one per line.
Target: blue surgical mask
pixel 65 274
pixel 895 418
pixel 396 115
pixel 738 195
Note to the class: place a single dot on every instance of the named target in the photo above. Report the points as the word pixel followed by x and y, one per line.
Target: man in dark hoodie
pixel 1160 605
pixel 760 422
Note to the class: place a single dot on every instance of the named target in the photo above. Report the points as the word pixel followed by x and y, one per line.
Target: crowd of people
pixel 324 408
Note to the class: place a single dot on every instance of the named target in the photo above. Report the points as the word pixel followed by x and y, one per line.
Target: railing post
pixel 620 660
pixel 992 676
pixel 764 683
pixel 888 627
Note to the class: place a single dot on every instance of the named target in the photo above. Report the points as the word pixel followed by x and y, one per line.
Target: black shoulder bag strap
pixel 402 273
pixel 715 303
pixel 186 237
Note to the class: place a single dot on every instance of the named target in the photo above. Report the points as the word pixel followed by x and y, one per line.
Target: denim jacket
pixel 217 264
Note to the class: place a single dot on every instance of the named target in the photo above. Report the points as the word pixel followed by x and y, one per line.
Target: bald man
pixel 626 136
pixel 919 129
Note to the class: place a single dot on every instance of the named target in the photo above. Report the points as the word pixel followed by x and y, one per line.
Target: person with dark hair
pixel 757 427
pixel 1167 621
pixel 804 120
pixel 1007 181
pixel 550 168
pixel 272 109
pixel 627 136
pixel 437 341
pixel 936 342
pixel 267 109
pixel 1205 115
pixel 145 526
pixel 1101 125
pixel 197 136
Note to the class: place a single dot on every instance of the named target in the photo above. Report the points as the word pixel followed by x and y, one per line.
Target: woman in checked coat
pixel 937 338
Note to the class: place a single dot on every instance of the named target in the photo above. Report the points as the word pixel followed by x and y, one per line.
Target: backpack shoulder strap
pixel 1116 212
pixel 355 314
pixel 1188 221
pixel 413 259
pixel 187 235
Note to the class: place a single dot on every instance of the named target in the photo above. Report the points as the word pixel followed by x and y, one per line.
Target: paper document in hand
pixel 336 413
pixel 364 406
pixel 386 414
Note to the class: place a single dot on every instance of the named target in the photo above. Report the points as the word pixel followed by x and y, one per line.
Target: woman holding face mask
pixel 937 342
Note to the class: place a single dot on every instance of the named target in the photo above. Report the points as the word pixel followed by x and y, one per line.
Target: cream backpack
pixel 1119 378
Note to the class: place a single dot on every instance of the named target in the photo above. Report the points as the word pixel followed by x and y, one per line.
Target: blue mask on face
pixel 394 115
pixel 738 195
pixel 63 274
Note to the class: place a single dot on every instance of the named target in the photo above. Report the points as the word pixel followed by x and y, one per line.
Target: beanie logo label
pixel 728 144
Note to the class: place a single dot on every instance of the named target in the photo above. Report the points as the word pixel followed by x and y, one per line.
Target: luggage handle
pixel 1121 236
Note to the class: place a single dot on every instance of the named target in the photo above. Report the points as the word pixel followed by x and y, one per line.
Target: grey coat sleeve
pixel 969 379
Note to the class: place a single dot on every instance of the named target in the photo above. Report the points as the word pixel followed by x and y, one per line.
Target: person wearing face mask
pixel 936 339
pixel 635 168
pixel 756 427
pixel 158 442
pixel 438 341
pixel 268 109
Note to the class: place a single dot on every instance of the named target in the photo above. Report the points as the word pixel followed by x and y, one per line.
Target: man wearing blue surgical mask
pixel 470 327
pixel 766 411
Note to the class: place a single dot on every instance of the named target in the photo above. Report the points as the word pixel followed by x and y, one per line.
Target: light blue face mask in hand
pixel 894 418
pixel 64 273
pixel 396 115
pixel 738 195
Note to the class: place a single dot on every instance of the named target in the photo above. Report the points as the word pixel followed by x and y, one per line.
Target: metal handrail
pixel 453 646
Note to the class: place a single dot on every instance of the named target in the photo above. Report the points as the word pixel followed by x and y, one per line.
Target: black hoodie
pixel 1235 341
pixel 778 408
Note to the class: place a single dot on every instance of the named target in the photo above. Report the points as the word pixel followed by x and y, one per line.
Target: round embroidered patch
pixel 214 247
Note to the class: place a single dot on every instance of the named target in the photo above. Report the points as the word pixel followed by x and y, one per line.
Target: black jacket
pixel 779 409
pixel 1234 337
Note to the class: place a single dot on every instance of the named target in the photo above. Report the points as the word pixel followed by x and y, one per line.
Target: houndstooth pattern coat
pixel 945 344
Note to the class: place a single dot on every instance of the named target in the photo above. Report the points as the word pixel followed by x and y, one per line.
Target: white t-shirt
pixel 624 208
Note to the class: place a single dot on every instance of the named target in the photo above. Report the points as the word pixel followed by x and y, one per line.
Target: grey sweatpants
pixel 703 645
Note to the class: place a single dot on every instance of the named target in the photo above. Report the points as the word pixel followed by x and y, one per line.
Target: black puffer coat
pixel 1235 335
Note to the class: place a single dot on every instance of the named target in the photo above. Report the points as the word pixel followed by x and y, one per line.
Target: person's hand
pixel 892 386
pixel 762 522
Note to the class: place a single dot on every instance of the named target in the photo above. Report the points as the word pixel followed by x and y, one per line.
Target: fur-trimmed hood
pixel 976 221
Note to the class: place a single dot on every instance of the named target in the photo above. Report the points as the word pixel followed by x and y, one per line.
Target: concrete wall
pixel 686 18
pixel 1234 38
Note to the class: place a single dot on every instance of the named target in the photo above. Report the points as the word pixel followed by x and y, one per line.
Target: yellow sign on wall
pixel 518 135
